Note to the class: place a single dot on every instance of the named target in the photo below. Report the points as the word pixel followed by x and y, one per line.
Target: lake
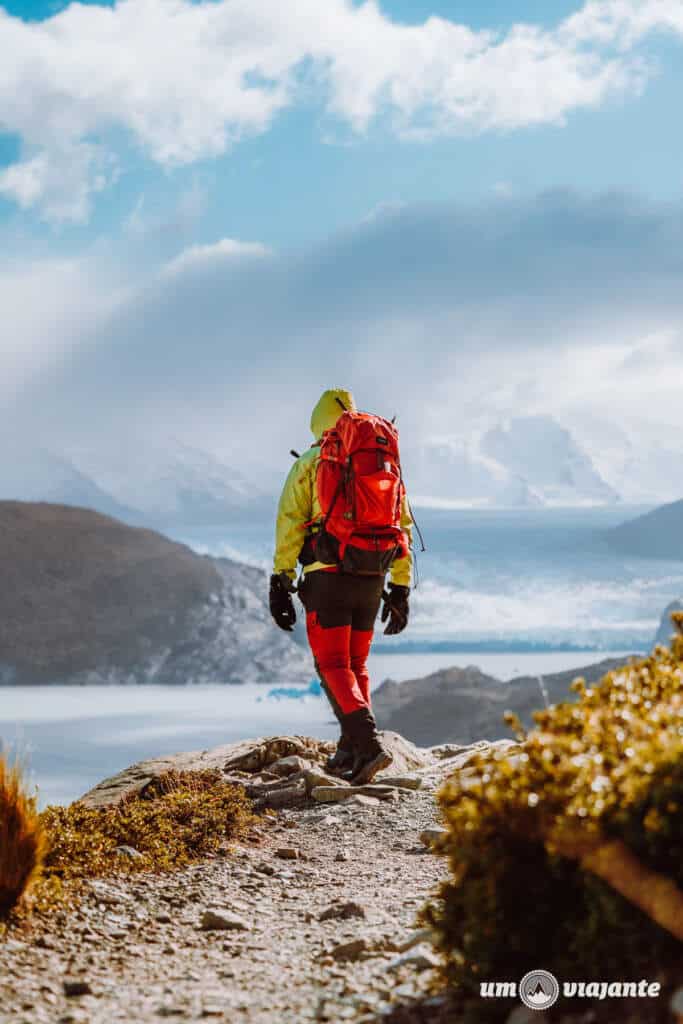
pixel 513 592
pixel 71 737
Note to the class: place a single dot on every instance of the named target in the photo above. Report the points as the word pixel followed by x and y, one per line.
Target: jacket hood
pixel 328 410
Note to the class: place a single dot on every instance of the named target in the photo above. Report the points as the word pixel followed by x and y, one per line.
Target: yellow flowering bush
pixel 566 853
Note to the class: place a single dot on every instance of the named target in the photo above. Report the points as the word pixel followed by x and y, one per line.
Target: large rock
pixel 88 599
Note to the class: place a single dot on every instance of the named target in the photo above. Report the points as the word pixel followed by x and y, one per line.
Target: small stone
pixel 521 1015
pixel 421 958
pixel 264 868
pixel 212 920
pixel 402 781
pixel 432 837
pixel 349 950
pixel 106 894
pixel 163 918
pixel 129 851
pixel 415 939
pixel 288 765
pixel 288 853
pixel 76 987
pixel 335 794
pixel 314 778
pixel 676 1003
pixel 342 855
pixel 342 911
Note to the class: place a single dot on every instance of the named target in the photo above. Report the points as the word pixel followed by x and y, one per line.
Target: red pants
pixel 340 616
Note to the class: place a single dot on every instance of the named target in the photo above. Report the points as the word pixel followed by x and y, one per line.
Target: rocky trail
pixel 312 918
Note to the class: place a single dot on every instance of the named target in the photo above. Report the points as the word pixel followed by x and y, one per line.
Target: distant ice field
pixel 71 737
pixel 534 580
pixel 516 593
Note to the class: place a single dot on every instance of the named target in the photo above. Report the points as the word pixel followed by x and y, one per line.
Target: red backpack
pixel 360 491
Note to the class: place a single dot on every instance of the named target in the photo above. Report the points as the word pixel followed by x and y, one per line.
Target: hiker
pixel 344 516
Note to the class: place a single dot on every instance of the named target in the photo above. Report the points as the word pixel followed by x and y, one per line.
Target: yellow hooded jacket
pixel 299 500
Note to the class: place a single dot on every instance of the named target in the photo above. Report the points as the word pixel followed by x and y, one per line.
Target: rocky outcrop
pixel 275 764
pixel 463 705
pixel 88 599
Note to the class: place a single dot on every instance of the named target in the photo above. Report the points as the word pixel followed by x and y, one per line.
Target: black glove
pixel 395 608
pixel 281 604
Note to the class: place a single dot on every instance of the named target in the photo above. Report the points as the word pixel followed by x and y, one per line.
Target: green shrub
pixel 562 851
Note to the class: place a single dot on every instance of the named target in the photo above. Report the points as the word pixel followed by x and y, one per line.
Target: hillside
pixel 86 598
pixel 657 534
pixel 464 705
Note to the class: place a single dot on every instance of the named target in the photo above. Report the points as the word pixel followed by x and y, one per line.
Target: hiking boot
pixel 371 756
pixel 369 763
pixel 343 759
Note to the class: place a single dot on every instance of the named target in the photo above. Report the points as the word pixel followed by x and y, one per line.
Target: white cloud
pixel 445 315
pixel 226 249
pixel 48 306
pixel 188 80
pixel 147 219
pixel 61 180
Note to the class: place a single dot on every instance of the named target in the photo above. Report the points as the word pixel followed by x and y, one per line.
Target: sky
pixel 210 210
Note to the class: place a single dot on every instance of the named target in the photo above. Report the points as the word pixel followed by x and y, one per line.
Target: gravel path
pixel 142 948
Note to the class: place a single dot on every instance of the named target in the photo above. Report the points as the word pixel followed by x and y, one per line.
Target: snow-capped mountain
pixel 170 483
pixel 641 460
pixel 35 474
pixel 456 472
pixel 524 462
pixel 545 454
pixel 139 482
pixel 650 474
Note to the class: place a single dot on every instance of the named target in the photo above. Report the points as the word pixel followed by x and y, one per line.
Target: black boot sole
pixel 367 771
pixel 339 770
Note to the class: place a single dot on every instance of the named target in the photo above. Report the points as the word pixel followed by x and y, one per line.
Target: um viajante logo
pixel 539 990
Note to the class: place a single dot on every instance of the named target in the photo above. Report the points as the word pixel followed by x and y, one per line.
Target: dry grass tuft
pixel 22 840
pixel 179 817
